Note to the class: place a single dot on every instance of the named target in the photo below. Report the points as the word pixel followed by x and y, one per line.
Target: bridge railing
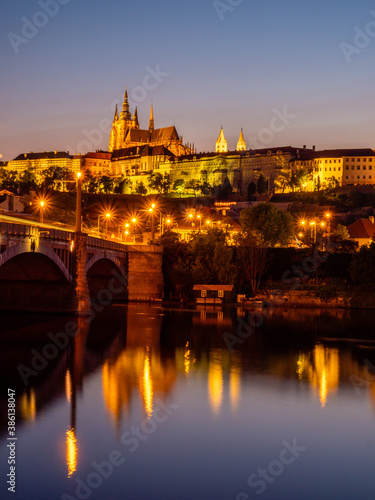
pixel 26 230
pixel 105 244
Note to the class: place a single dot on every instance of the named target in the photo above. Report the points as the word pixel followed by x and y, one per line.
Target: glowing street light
pixel 42 204
pixel 151 210
pixel 79 203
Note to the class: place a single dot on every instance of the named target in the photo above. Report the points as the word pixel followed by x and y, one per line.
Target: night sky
pixel 232 63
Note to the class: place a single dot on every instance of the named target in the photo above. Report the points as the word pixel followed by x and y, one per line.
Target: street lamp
pixel 79 203
pixel 328 215
pixel 151 210
pixel 107 217
pixel 41 203
pixel 313 231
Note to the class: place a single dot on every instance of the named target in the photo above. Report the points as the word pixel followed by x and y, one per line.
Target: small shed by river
pixel 213 294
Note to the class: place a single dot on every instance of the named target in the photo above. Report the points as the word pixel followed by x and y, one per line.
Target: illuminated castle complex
pixel 125 133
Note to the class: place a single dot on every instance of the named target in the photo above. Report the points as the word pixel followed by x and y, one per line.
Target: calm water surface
pixel 150 403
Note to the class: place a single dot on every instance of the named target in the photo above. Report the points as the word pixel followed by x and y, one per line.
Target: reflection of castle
pixel 138 370
pixel 322 371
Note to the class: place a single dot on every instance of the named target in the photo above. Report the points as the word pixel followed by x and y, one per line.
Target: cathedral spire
pixel 135 118
pixel 116 114
pixel 125 114
pixel 151 124
pixel 221 143
pixel 241 144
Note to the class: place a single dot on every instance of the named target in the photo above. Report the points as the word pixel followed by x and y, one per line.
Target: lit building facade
pixel 98 163
pixel 341 167
pixel 40 161
pixel 126 133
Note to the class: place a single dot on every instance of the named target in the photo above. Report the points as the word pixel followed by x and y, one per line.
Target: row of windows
pixel 359 167
pixel 358 177
pixel 358 159
pixel 317 162
pixel 220 293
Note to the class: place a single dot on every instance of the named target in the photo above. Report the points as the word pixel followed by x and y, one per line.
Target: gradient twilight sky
pixel 231 69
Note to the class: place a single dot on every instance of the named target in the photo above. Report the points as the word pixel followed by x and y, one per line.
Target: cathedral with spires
pixel 126 133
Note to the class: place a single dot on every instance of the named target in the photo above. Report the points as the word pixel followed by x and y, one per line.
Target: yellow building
pixel 98 163
pixel 125 132
pixel 341 167
pixel 40 161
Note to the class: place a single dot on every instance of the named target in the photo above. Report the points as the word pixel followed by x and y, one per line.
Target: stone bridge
pixel 43 268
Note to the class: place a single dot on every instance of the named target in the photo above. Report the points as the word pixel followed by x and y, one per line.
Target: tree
pixel 166 183
pixel 179 186
pixel 193 185
pixel 268 223
pixel 332 183
pixel 158 182
pixel 26 180
pixel 283 178
pixel 140 188
pixel 362 267
pixel 262 184
pixel 341 233
pixel 206 189
pixel 105 184
pixel 251 190
pixel 225 190
pixel 252 258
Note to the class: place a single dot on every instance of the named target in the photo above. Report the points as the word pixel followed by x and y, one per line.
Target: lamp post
pixel 107 217
pixel 79 204
pixel 151 210
pixel 328 216
pixel 42 203
pixel 200 221
pixel 313 232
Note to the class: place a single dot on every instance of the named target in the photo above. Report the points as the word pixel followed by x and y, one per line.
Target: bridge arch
pixel 104 256
pixel 20 249
pixel 33 281
pixel 106 277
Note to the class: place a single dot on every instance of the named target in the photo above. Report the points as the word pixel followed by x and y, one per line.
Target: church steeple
pixel 151 125
pixel 221 143
pixel 135 118
pixel 241 144
pixel 125 114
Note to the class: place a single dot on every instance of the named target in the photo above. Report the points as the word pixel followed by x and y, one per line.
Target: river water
pixel 149 403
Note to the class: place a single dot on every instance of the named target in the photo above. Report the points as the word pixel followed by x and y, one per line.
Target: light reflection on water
pixel 290 379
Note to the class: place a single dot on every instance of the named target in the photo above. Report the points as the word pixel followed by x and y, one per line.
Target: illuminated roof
pixel 362 228
pixel 44 155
